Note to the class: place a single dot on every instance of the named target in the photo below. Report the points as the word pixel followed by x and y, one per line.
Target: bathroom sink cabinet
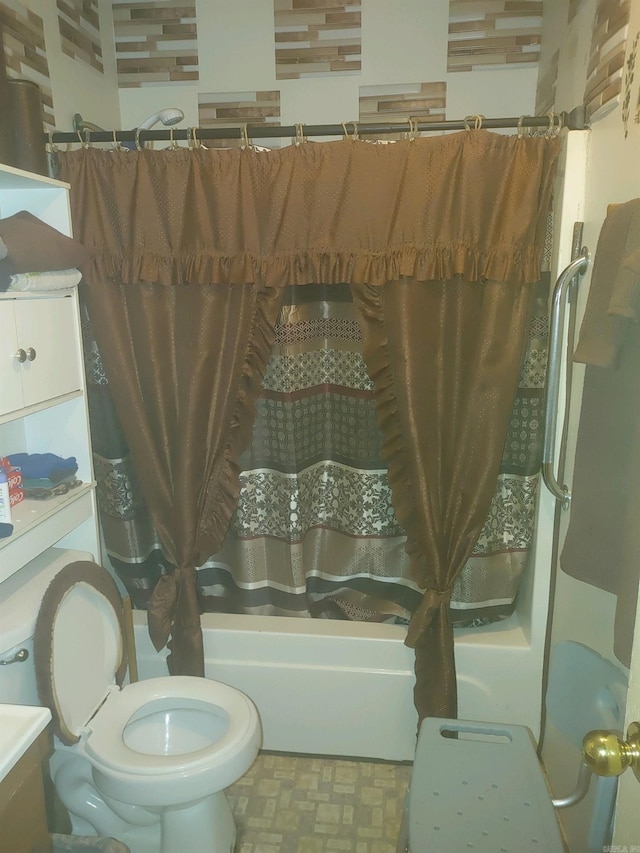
pixel 43 404
pixel 23 818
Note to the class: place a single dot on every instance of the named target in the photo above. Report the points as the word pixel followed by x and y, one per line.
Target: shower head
pixel 168 117
pixel 80 125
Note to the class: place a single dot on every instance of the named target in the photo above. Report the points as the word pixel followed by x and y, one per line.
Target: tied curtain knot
pixel 174 612
pixel 165 604
pixel 432 601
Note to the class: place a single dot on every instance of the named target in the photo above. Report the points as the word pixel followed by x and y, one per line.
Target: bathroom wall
pixel 589 52
pixel 301 61
pixel 279 61
pixel 68 49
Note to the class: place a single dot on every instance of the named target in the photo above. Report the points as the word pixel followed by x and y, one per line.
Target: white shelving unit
pixel 43 405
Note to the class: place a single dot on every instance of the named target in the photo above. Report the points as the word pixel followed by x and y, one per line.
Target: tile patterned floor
pixel 302 804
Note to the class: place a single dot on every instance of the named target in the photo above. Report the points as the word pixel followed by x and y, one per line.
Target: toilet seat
pixel 105 742
pixel 78 646
pixel 80 664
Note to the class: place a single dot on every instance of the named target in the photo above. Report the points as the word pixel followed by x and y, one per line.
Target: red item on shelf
pixel 16 497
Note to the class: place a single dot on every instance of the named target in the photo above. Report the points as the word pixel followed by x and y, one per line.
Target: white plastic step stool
pixel 482 790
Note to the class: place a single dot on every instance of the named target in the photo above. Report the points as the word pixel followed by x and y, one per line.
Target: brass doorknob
pixel 605 754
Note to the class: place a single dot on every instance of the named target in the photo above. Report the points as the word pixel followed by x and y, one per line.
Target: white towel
pixel 38 281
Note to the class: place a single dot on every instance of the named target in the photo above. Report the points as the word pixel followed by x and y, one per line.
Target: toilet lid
pixel 78 647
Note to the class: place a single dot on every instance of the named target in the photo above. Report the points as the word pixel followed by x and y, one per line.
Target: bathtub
pixel 326 687
pixel 339 688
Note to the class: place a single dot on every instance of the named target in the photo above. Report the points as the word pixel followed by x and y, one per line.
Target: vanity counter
pixel 20 726
pixel 25 744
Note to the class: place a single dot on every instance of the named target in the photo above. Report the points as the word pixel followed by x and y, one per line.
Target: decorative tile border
pixel 398 102
pixel 156 42
pixel 25 52
pixel 79 25
pixel 314 38
pixel 546 91
pixel 493 34
pixel 233 109
pixel 606 58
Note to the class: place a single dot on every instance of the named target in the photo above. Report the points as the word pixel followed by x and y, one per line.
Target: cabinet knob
pixel 31 354
pixel 20 355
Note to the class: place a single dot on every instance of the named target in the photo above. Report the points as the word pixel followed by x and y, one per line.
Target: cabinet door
pixel 47 331
pixel 10 367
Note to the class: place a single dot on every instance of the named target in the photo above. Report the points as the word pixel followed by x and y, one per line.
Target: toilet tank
pixel 20 597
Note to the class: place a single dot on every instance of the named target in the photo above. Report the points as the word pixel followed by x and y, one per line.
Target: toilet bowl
pixel 148 762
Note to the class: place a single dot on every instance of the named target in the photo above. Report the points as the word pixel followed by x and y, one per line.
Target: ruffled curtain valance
pixel 346 211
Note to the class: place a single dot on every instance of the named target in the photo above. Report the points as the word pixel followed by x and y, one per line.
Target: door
pixel 627 814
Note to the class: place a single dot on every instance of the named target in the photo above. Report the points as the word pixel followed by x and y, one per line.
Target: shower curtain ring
pixel 86 141
pixel 173 145
pixel 354 134
pixel 521 132
pixel 139 146
pixel 299 135
pixel 244 141
pixel 477 122
pixel 199 143
pixel 116 145
pixel 553 129
pixel 191 141
pixel 51 146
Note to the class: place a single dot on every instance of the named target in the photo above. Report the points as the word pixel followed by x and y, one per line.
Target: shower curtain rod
pixel 572 120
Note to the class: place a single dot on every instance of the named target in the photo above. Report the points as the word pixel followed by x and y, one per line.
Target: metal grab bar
pixel 552 385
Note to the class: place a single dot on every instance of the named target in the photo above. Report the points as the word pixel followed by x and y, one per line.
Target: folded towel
pixel 36 466
pixel 42 493
pixel 34 246
pixel 47 482
pixel 41 281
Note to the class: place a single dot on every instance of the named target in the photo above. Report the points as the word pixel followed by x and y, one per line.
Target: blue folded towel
pixel 37 466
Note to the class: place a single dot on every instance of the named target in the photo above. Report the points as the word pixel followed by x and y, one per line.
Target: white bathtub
pixel 346 688
pixel 328 687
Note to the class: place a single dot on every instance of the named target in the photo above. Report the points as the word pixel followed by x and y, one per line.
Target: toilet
pixel 145 763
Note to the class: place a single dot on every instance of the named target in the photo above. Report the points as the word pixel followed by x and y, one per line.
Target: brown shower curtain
pixel 441 241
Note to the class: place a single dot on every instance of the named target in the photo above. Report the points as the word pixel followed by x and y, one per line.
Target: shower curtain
pixel 440 240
